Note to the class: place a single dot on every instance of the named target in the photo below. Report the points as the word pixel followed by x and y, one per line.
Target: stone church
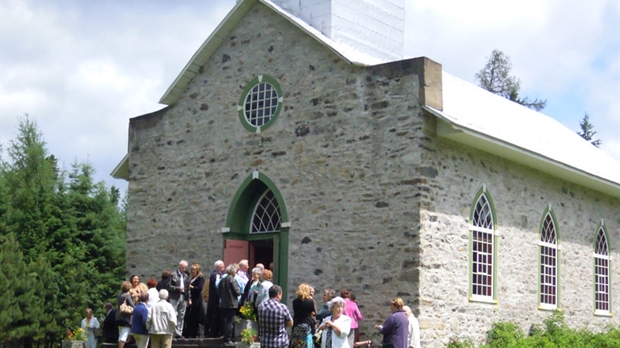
pixel 299 135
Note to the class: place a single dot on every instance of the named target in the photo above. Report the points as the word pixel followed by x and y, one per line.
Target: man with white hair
pixel 161 322
pixel 213 311
pixel 178 288
pixel 414 329
pixel 244 265
pixel 229 292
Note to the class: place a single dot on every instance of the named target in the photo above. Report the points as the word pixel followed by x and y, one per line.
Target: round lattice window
pixel 260 103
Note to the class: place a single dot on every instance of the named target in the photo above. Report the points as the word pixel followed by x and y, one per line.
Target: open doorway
pixel 255 251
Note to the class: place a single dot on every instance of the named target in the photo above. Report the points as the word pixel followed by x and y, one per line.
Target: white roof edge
pixel 347 53
pixel 168 98
pixel 597 183
pixel 121 171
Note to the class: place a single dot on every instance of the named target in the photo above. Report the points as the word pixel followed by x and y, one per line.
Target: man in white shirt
pixel 414 328
pixel 161 322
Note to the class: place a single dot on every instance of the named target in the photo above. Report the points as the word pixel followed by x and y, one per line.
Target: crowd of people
pixel 189 305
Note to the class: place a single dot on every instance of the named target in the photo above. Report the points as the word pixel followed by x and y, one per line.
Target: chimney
pixel 375 27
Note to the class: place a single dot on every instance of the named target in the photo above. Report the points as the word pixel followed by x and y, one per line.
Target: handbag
pixel 317 337
pixel 97 332
pixel 124 308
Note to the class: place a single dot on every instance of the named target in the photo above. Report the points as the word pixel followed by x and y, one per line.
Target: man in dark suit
pixel 110 330
pixel 229 292
pixel 213 310
pixel 178 290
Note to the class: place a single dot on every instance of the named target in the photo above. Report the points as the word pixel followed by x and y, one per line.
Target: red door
pixel 235 251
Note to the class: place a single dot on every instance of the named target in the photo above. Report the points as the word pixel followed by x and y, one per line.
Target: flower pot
pixel 72 344
pixel 244 324
pixel 253 345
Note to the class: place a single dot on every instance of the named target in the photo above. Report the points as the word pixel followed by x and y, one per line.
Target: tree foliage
pixel 587 131
pixel 63 242
pixel 495 77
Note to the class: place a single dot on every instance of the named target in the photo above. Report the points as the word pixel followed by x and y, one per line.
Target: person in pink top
pixel 354 313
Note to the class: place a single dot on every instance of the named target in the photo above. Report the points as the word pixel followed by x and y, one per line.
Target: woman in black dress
pixel 303 318
pixel 194 305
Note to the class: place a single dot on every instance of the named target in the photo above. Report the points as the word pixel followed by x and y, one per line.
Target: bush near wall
pixel 552 333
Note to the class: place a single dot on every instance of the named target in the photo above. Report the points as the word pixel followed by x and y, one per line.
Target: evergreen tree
pixel 67 250
pixel 495 77
pixel 587 131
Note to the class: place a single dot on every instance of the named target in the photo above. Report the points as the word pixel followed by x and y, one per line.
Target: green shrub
pixel 553 333
pixel 504 334
pixel 460 343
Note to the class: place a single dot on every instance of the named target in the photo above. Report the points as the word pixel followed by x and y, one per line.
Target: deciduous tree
pixel 495 77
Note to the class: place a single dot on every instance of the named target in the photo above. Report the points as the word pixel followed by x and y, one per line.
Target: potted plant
pixel 247 320
pixel 74 339
pixel 247 311
pixel 249 338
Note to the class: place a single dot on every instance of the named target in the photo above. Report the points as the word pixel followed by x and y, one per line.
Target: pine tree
pixel 495 77
pixel 67 250
pixel 587 131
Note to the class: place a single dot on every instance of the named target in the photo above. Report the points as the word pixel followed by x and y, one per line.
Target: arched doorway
pixel 257 227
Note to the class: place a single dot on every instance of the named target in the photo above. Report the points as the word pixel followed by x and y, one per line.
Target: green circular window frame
pixel 241 105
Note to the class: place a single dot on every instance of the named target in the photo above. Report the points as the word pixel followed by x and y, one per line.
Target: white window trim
pixel 483 299
pixel 547 306
pixel 601 313
pixel 549 245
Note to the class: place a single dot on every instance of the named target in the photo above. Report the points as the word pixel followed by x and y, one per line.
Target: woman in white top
pixel 265 285
pixel 89 324
pixel 336 327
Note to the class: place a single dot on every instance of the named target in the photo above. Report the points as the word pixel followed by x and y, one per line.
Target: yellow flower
pixel 76 335
pixel 247 311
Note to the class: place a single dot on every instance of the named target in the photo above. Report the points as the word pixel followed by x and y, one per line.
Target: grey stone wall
pixel 376 202
pixel 345 154
pixel 520 196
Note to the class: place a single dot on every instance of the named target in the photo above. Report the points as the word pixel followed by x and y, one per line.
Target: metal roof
pixel 483 120
pixel 470 115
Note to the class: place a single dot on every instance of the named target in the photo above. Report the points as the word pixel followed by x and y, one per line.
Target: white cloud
pixel 82 68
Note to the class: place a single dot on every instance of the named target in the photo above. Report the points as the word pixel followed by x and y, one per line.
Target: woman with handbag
pixel 90 325
pixel 123 313
pixel 304 324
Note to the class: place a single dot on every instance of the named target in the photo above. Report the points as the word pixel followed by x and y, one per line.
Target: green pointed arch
pixel 549 211
pixel 601 226
pixel 483 191
pixel 472 296
pixel 240 215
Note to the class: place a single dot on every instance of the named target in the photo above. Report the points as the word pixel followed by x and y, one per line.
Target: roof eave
pixel 121 171
pixel 463 135
pixel 200 57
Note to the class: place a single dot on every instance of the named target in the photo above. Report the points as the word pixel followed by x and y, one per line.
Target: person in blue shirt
pixel 138 321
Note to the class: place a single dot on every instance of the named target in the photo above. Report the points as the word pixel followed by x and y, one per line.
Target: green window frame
pixel 602 272
pixel 260 103
pixel 549 262
pixel 483 249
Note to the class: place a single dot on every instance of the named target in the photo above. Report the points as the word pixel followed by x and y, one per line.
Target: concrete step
pixel 185 343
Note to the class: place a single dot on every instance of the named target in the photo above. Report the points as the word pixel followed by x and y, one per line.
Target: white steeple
pixel 374 27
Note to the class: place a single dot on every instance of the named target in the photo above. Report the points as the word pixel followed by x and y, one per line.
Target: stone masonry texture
pixel 377 202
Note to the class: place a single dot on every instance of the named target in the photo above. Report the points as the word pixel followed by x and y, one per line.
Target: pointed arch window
pixel 602 264
pixel 482 250
pixel 549 255
pixel 266 215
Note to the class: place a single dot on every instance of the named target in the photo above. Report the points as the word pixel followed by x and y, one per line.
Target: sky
pixel 82 69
